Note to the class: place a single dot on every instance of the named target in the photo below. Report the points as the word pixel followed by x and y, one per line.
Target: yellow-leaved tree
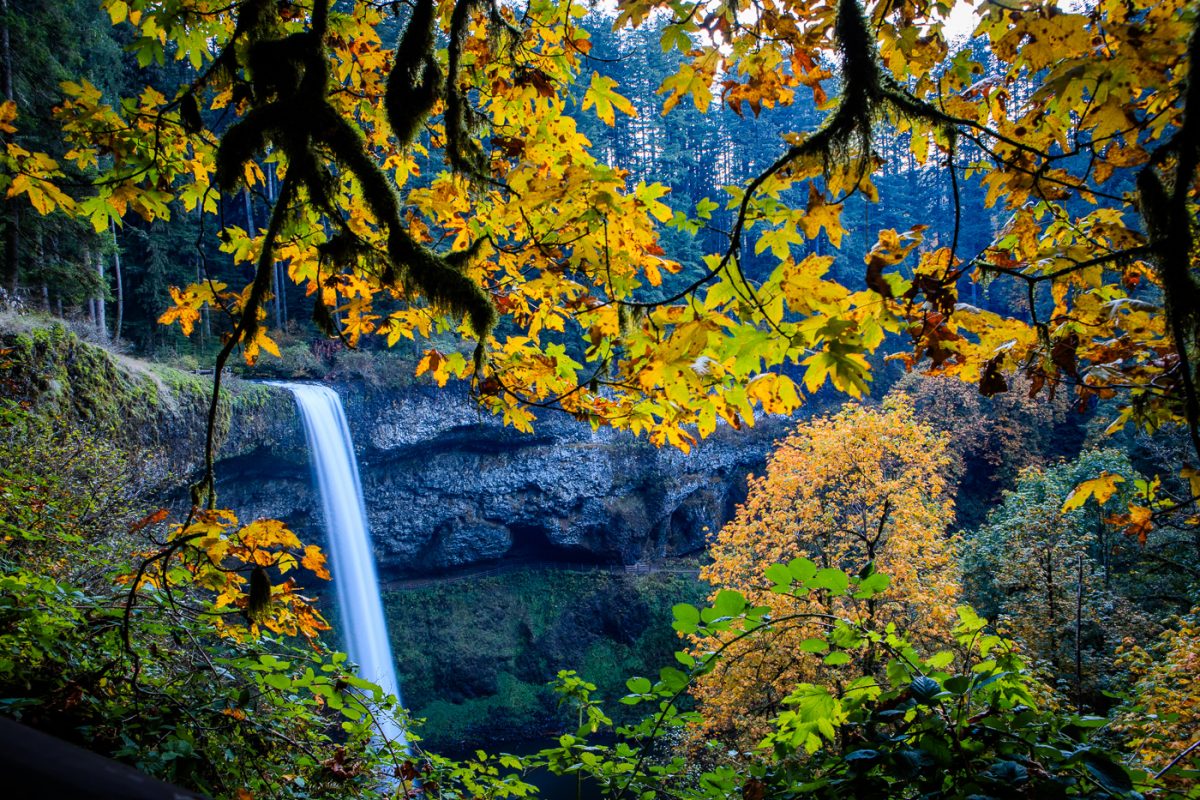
pixel 1162 715
pixel 860 491
pixel 1073 129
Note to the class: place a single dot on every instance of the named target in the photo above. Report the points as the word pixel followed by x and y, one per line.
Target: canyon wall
pixel 447 487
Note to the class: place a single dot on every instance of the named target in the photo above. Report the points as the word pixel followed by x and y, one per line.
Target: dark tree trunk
pixel 12 215
pixel 1079 630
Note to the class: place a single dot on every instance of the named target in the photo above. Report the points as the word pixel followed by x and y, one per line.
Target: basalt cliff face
pixel 447 486
pixel 155 410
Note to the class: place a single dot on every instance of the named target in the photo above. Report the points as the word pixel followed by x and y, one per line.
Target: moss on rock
pixel 52 370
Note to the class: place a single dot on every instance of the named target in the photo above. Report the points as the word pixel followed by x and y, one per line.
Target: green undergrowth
pixel 475 656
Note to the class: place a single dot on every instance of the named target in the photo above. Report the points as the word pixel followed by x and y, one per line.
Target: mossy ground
pixel 53 370
pixel 475 656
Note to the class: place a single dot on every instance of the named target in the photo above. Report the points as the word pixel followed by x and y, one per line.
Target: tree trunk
pixel 205 323
pixel 249 212
pixel 275 287
pixel 280 276
pixel 101 322
pixel 1079 630
pixel 120 281
pixel 6 52
pixel 90 302
pixel 12 215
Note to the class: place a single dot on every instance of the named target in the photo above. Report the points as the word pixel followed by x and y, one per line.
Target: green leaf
pixel 779 575
pixel 872 585
pixel 861 759
pixel 674 37
pixel 925 689
pixel 829 578
pixel 1087 721
pixel 277 681
pixel 969 622
pixel 687 618
pixel 802 569
pixel 897 672
pixel 1111 776
pixel 958 685
pixel 672 679
pixel 1006 773
pixel 729 603
pixel 937 747
pixel 940 660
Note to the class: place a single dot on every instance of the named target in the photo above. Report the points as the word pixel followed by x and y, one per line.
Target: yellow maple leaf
pixel 1102 488
pixel 601 95
pixel 821 214
pixel 314 561
pixel 8 114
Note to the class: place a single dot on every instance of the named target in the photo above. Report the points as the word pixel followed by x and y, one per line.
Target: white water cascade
pixel 349 542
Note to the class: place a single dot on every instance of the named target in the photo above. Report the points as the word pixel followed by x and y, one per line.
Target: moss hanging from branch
pixel 291 83
pixel 416 78
pixel 462 121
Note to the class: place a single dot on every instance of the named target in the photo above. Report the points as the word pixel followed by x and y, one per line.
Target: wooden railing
pixel 35 765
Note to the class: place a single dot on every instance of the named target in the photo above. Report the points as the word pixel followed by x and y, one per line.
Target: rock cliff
pixel 156 409
pixel 446 486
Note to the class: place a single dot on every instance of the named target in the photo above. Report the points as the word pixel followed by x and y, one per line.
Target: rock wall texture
pixel 155 408
pixel 446 486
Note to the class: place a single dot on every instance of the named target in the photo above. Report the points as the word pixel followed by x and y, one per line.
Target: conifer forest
pixel 579 399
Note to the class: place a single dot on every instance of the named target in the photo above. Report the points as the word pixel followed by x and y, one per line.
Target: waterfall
pixel 349 542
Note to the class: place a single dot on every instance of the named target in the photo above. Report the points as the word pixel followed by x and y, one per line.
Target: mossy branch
pixel 291 85
pixel 416 78
pixel 1171 231
pixel 437 278
pixel 464 153
pixel 247 325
